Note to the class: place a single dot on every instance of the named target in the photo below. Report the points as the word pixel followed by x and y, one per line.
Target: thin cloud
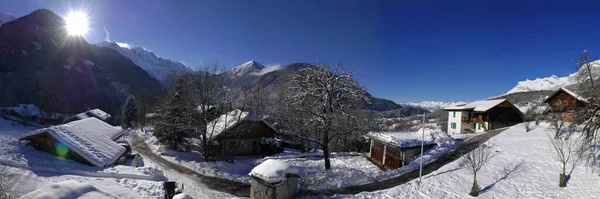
pixel 107 37
pixel 267 69
pixel 121 44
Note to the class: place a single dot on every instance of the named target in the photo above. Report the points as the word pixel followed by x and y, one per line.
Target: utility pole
pixel 422 142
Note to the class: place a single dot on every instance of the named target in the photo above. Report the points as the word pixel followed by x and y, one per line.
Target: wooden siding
pixel 45 142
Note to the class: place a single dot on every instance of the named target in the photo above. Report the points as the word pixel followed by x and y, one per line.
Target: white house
pixel 480 116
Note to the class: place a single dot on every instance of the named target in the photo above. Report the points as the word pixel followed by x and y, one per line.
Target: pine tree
pixel 131 113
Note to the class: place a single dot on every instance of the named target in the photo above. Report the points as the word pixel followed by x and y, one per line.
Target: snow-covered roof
pixel 273 171
pixel 91 138
pixel 569 92
pixel 68 189
pixel 97 113
pixel 229 120
pixel 27 110
pixel 405 139
pixel 479 106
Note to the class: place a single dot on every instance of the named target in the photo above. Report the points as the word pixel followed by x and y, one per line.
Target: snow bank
pixel 91 138
pixel 68 189
pixel 182 196
pixel 273 171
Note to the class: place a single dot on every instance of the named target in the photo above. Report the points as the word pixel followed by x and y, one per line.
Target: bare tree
pixel 475 160
pixel 565 152
pixel 50 103
pixel 212 97
pixel 329 97
pixel 527 126
pixel 5 184
pixel 558 125
pixel 590 114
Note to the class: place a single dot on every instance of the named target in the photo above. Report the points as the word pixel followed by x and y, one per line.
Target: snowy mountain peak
pixel 246 68
pixel 550 83
pixel 433 105
pixel 5 18
pixel 157 67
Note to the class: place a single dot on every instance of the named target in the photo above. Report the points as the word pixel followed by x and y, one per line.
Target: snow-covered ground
pixel 348 169
pixel 523 167
pixel 32 169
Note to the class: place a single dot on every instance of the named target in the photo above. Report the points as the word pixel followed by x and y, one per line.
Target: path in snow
pixel 467 147
pixel 178 172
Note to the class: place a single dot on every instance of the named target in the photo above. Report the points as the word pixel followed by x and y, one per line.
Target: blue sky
pixel 401 50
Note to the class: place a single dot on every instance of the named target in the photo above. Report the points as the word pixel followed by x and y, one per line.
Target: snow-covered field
pixel 523 167
pixel 31 170
pixel 348 169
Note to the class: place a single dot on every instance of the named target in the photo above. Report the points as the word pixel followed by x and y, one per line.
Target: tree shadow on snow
pixel 447 171
pixel 507 171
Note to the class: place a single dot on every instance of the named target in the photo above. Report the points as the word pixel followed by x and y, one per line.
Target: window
pixel 453 125
pixel 478 126
pixel 453 113
pixel 480 116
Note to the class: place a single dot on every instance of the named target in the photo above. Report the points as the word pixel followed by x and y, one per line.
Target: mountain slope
pixel 157 67
pixel 550 83
pixel 242 77
pixel 432 105
pixel 36 55
pixel 5 18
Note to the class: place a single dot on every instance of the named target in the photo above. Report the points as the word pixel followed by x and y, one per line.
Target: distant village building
pixel 393 150
pixel 97 113
pixel 26 112
pixel 481 116
pixel 89 141
pixel 565 101
pixel 239 133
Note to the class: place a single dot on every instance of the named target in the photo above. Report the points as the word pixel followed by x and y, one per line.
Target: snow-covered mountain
pixel 246 68
pixel 157 67
pixel 432 105
pixel 549 83
pixel 4 18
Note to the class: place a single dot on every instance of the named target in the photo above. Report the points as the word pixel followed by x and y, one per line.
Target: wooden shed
pixel 391 150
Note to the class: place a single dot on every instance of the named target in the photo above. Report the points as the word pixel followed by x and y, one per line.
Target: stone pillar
pixel 285 189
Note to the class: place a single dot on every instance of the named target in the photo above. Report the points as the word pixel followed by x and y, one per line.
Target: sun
pixel 77 23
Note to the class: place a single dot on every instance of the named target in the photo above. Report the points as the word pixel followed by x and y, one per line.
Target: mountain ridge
pixel 158 67
pixel 550 83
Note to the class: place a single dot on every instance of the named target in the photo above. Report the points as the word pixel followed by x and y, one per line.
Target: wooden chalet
pixel 564 100
pixel 481 116
pixel 240 133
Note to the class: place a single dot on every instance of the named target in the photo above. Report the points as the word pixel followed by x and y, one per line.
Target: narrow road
pixel 217 184
pixel 465 148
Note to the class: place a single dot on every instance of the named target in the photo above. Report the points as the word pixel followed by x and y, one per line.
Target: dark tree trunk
pixel 326 151
pixel 562 180
pixel 475 189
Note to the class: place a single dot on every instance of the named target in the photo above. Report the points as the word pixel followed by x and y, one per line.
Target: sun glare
pixel 77 23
